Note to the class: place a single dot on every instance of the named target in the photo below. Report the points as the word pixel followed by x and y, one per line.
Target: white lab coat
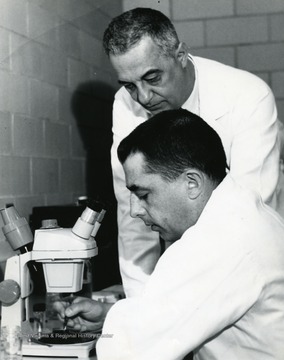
pixel 219 290
pixel 241 108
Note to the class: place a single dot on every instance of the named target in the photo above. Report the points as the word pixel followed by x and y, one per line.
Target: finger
pixel 77 299
pixel 69 299
pixel 80 327
pixel 79 305
pixel 60 317
pixel 73 310
pixel 59 308
pixel 71 323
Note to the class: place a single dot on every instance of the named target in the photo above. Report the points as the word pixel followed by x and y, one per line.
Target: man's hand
pixel 83 313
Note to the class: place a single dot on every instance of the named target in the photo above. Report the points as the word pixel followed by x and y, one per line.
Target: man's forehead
pixel 135 173
pixel 141 57
pixel 134 165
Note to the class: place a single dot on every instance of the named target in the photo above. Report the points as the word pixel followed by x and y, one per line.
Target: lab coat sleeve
pixel 187 300
pixel 255 149
pixel 139 247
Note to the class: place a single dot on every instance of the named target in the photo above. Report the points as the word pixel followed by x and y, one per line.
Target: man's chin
pixel 156 228
pixel 160 109
pixel 163 106
pixel 163 235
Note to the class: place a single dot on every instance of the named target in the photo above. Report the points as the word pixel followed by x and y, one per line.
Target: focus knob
pixel 10 292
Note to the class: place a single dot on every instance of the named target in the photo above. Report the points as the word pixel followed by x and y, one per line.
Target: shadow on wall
pixel 91 106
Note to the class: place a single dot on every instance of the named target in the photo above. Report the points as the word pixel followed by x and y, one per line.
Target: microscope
pixel 62 253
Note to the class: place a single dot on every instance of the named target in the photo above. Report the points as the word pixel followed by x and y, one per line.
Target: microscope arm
pixel 16 288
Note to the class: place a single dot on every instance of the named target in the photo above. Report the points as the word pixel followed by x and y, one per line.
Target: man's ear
pixel 182 54
pixel 195 182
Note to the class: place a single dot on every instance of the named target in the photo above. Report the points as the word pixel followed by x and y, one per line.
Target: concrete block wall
pixel 248 34
pixel 47 49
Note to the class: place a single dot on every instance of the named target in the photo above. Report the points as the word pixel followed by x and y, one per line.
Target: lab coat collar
pixel 192 102
pixel 208 81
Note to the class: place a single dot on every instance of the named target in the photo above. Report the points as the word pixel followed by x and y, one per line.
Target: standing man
pixel 218 290
pixel 157 73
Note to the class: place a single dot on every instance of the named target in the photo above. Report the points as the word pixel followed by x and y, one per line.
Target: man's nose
pixel 144 95
pixel 136 210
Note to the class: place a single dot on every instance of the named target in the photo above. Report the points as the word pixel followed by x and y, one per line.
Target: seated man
pixel 218 290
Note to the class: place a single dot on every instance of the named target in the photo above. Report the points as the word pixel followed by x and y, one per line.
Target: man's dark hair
pixel 173 141
pixel 127 29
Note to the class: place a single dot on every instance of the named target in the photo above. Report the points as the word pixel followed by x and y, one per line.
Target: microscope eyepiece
pixel 16 228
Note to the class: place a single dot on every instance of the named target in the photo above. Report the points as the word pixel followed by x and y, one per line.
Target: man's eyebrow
pixel 148 73
pixel 122 82
pixel 133 188
pixel 136 189
pixel 151 72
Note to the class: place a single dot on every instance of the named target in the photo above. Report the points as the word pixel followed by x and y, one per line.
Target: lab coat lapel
pixel 213 104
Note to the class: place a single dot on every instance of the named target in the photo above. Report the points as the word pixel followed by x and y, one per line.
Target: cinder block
pixel 28 136
pixel 78 72
pixel 60 198
pixel 266 57
pixel 48 5
pixel 107 77
pixel 42 25
pixel 38 61
pixel 57 139
pixel 196 9
pixel 111 8
pixel 264 76
pixel 278 84
pixel 4 91
pixel 91 49
pixel 13 16
pixel 94 23
pixel 73 9
pixel 45 173
pixel 25 204
pixel 13 93
pixel 54 67
pixel 5 133
pixel 103 86
pixel 162 5
pixel 17 42
pixel 225 55
pixel 18 94
pixel 244 30
pixel 277 27
pixel 14 175
pixel 191 32
pixel 33 80
pixel 27 58
pixel 44 100
pixel 65 104
pixel 72 176
pixel 280 109
pixel 259 6
pixel 106 63
pixel 69 40
pixel 4 49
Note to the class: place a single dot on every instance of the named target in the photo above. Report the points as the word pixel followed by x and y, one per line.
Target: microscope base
pixel 79 350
